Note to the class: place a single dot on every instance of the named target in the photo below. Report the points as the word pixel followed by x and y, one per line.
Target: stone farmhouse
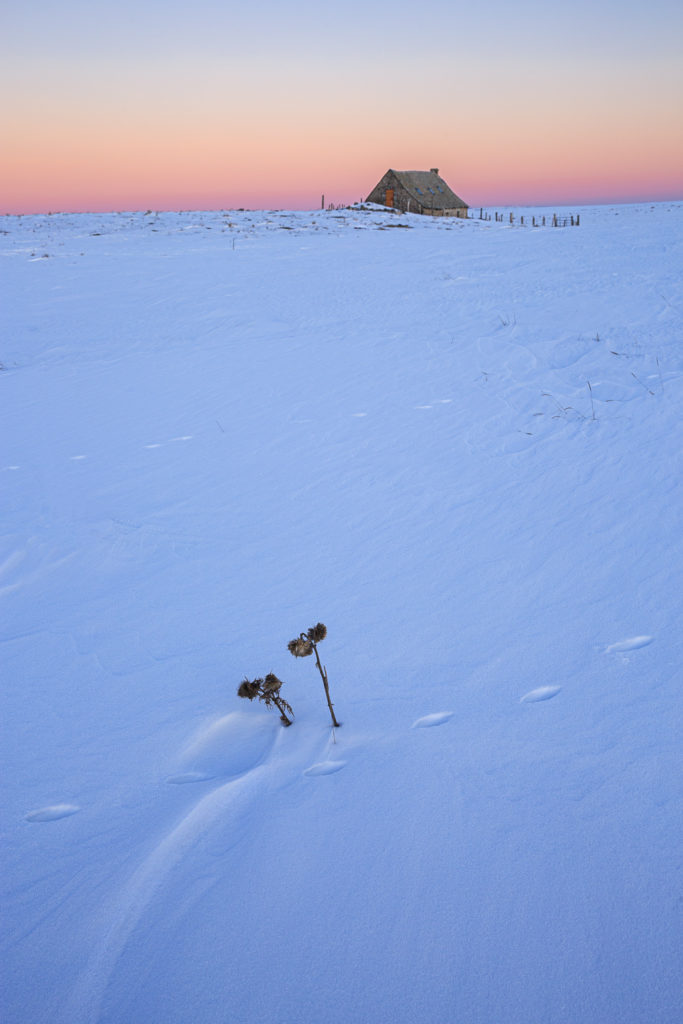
pixel 418 192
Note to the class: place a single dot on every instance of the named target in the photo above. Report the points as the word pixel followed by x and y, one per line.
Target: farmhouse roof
pixel 429 189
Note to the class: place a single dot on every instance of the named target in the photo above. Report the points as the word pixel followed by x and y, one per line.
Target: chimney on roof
pixel 434 170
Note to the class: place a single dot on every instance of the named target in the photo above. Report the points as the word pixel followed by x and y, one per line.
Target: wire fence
pixel 535 221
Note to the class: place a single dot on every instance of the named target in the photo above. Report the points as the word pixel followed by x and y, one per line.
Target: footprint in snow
pixel 325 768
pixel 427 721
pixel 53 813
pixel 540 693
pixel 633 644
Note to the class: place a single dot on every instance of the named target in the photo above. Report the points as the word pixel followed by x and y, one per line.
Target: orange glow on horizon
pixel 164 106
pixel 149 143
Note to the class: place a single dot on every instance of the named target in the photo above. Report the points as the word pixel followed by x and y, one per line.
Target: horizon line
pixel 332 207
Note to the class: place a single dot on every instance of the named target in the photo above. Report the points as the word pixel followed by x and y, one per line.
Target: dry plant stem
pixel 323 674
pixel 278 704
pixel 641 384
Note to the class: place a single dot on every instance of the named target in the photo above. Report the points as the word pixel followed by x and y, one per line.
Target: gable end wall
pixel 404 201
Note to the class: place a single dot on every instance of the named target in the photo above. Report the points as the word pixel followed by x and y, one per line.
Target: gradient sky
pixel 156 104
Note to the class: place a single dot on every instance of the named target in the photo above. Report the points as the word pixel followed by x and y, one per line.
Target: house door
pixel 389 197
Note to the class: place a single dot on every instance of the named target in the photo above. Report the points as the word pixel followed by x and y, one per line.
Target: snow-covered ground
pixel 458 445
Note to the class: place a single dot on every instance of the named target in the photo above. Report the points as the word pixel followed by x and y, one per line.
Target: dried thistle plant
pixel 301 647
pixel 307 643
pixel 268 692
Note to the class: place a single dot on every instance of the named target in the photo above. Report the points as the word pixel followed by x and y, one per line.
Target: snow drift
pixel 459 446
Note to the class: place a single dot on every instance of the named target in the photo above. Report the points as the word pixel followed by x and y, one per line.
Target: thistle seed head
pixel 317 633
pixel 301 647
pixel 248 689
pixel 271 684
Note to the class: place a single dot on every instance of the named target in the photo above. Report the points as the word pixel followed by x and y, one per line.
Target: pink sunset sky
pixel 162 105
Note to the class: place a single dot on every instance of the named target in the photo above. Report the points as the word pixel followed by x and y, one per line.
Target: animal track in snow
pixel 427 721
pixel 325 768
pixel 53 813
pixel 633 644
pixel 540 693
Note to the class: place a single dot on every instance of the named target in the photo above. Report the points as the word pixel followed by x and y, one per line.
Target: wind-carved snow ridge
pixel 185 778
pixel 29 565
pixel 540 693
pixel 236 745
pixel 12 562
pixel 53 813
pixel 427 721
pixel 123 914
pixel 633 644
pixel 227 747
pixel 325 768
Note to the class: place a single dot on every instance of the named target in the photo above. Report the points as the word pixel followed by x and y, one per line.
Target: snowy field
pixel 458 445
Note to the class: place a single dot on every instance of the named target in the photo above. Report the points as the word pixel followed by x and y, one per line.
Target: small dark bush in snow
pixel 268 691
pixel 307 643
